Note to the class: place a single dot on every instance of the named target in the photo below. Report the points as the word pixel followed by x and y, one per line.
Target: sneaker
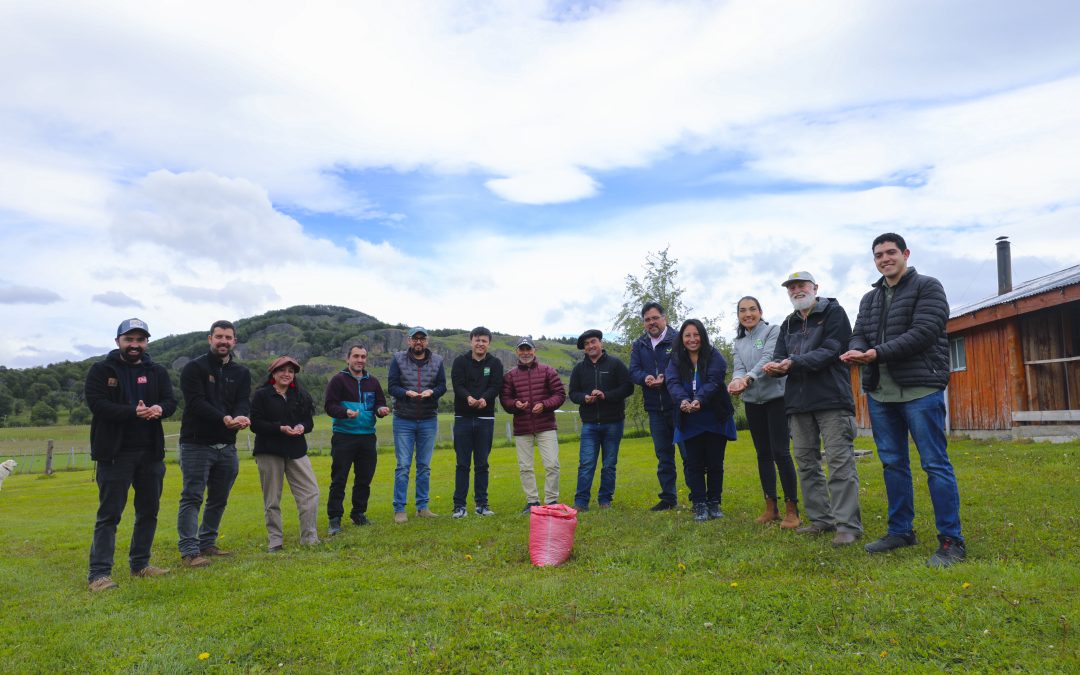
pixel 360 520
pixel 459 512
pixel 605 505
pixel 581 507
pixel 276 549
pixel 483 510
pixel 664 506
pixel 950 552
pixel 335 527
pixel 813 529
pixel 891 542
pixel 150 571
pixel 714 510
pixel 426 513
pixel 214 551
pixel 102 584
pixel 195 561
pixel 701 512
pixel 528 508
pixel 400 517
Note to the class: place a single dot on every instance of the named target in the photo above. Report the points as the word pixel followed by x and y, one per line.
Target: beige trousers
pixel 305 489
pixel 548 443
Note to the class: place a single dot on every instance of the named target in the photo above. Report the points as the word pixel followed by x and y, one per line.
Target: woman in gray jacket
pixel 764 400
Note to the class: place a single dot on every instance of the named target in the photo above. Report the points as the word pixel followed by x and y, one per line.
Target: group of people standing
pixel 793 379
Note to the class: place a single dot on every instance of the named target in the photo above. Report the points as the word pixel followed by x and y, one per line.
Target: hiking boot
pixel 714 510
pixel 483 510
pixel 664 506
pixel 813 529
pixel 701 513
pixel 360 520
pixel 400 517
pixel 426 513
pixel 950 552
pixel 102 584
pixel 150 571
pixel 528 508
pixel 335 527
pixel 844 538
pixel 195 561
pixel 791 517
pixel 891 542
pixel 770 514
pixel 214 551
pixel 459 512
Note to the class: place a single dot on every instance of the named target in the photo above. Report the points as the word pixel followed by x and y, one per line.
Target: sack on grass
pixel 551 534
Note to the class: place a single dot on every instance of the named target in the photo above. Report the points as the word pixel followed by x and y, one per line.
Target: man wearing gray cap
pixel 820 408
pixel 128 395
pixel 416 380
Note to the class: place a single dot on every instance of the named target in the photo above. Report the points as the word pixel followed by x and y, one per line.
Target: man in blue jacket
pixel 128 395
pixel 649 356
pixel 899 340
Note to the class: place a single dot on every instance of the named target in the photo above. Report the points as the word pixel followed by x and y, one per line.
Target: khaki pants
pixel 835 503
pixel 548 443
pixel 305 489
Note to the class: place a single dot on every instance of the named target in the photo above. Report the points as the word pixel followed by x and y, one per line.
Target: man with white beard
pixel 820 408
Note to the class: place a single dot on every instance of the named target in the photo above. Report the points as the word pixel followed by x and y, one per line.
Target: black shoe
pixel 891 542
pixel 360 520
pixel 528 508
pixel 581 507
pixel 950 552
pixel 701 512
pixel 335 527
pixel 664 506
pixel 714 510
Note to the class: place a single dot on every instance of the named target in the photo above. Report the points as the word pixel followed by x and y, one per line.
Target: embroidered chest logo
pixel 759 344
pixel 140 379
pixel 487 371
pixel 112 382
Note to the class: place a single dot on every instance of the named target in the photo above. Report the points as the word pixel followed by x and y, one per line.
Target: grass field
pixel 643 592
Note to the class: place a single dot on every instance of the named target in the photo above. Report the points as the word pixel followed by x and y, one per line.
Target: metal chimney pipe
pixel 1004 262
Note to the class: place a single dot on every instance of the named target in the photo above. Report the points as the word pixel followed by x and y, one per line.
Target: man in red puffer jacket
pixel 531 392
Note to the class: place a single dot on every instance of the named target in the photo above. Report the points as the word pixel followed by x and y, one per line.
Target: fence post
pixel 48 458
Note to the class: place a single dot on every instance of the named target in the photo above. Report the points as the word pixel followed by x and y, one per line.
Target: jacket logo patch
pixel 487 371
pixel 112 382
pixel 140 379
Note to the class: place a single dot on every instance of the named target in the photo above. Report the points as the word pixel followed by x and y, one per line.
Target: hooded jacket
pixel 751 352
pixel 818 379
pixel 610 376
pixel 712 391
pixel 113 390
pixel 344 392
pixel 645 361
pixel 534 383
pixel 212 390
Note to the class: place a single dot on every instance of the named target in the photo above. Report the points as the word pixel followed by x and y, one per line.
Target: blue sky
pixel 463 162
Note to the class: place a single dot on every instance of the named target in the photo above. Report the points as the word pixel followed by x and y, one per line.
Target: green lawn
pixel 643 591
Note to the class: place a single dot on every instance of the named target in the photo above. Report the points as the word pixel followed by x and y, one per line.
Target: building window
pixel 957 355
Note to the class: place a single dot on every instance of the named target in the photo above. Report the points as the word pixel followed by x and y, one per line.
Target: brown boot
pixel 791 518
pixel 770 513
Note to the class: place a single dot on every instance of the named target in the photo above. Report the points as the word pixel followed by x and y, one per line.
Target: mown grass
pixel 642 592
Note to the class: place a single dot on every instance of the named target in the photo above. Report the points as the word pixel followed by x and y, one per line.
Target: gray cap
pixel 798 276
pixel 417 329
pixel 128 325
pixel 526 341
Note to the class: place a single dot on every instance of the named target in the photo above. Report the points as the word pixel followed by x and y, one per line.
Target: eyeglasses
pixel 418 339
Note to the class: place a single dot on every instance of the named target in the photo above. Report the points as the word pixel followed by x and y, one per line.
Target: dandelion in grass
pixel 204 656
pixel 468 556
pixel 681 567
pixel 734 584
pixel 966 585
pixel 884 653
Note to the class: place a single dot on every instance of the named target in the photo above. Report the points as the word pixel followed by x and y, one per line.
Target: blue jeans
pixel 605 438
pixel 410 435
pixel 211 471
pixel 472 444
pixel 114 479
pixel 662 430
pixel 924 419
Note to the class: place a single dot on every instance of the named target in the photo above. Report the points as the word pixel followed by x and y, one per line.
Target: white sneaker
pixel 460 512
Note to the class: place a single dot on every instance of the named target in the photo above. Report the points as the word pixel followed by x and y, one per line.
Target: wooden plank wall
pixel 1049 334
pixel 979 396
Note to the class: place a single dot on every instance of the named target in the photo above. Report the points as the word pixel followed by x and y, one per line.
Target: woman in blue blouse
pixel 703 415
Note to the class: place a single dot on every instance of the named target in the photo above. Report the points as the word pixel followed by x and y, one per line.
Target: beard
pixel 132 355
pixel 804 303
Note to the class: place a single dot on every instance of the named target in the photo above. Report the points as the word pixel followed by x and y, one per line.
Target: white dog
pixel 6 468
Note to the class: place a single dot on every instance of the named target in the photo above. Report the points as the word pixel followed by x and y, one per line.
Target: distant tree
pixel 42 414
pixel 7 402
pixel 80 414
pixel 37 392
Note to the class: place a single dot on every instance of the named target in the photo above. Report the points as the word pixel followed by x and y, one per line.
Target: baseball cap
pixel 798 276
pixel 526 341
pixel 417 329
pixel 128 325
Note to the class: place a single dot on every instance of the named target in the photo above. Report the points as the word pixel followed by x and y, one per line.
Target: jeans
pixel 705 467
pixel 206 470
pixel 358 453
pixel 924 419
pixel 769 429
pixel 130 469
pixel 598 439
pixel 662 430
pixel 472 443
pixel 835 503
pixel 410 436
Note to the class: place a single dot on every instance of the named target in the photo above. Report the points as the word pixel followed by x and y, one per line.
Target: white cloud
pixel 116 299
pixel 544 187
pixel 15 294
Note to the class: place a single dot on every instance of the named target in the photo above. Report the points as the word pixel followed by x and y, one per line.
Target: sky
pixel 452 163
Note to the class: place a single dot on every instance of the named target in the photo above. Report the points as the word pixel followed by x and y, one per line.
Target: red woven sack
pixel 551 534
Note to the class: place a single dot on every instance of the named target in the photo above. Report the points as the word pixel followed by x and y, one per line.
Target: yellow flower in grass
pixel 468 556
pixel 965 585
pixel 681 567
pixel 204 656
pixel 734 584
pixel 884 654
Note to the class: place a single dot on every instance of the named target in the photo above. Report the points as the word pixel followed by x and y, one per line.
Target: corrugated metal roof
pixel 1066 277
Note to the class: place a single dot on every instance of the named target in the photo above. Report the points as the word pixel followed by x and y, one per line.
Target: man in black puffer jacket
pixel 900 341
pixel 128 395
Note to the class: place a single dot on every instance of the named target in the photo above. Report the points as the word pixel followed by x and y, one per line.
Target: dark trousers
pixel 662 430
pixel 705 467
pixel 769 429
pixel 472 443
pixel 356 452
pixel 130 469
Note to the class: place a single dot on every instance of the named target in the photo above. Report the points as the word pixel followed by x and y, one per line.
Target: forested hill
pixel 316 335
